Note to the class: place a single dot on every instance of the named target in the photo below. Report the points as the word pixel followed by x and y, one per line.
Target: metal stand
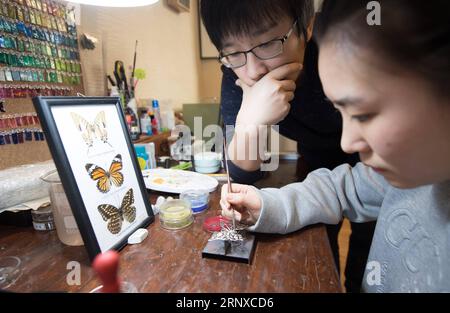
pixel 237 251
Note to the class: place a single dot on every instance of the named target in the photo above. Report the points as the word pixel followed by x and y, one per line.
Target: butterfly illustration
pixel 115 216
pixel 90 131
pixel 106 178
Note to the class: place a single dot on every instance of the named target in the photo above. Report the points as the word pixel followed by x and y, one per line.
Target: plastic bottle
pixel 146 124
pixel 157 113
pixel 132 122
pixel 168 119
pixel 154 123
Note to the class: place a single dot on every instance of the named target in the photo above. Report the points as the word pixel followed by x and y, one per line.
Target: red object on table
pixel 107 266
pixel 213 224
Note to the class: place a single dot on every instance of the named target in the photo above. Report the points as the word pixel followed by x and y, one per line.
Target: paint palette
pixel 177 181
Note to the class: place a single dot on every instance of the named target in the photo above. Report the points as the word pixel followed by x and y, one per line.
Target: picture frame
pixel 96 161
pixel 180 5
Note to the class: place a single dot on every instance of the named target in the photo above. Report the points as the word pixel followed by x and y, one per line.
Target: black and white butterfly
pixel 115 216
pixel 90 131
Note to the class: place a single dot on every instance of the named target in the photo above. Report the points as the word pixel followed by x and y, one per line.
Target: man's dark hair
pixel 223 18
pixel 414 34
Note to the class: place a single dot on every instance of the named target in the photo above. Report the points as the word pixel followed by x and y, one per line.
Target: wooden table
pixel 170 261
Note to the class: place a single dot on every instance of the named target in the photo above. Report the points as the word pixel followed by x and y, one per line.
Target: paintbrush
pixel 134 68
pixel 228 178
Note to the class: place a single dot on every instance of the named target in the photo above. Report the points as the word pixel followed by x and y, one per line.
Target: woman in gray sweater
pixel 385 67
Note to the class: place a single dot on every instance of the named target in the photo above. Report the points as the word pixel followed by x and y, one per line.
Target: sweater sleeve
pixel 323 197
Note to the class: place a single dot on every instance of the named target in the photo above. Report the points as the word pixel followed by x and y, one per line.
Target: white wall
pixel 167 49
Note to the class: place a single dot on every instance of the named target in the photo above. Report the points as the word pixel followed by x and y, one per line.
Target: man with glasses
pixel 264 51
pixel 270 77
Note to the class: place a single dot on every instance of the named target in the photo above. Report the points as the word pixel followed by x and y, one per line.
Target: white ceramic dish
pixel 207 162
pixel 177 181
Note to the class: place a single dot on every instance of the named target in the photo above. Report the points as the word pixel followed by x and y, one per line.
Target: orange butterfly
pixel 106 178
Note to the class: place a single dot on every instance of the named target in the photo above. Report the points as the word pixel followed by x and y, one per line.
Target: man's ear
pixel 309 29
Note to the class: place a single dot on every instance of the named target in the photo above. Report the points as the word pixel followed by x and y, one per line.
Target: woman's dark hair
pixel 414 34
pixel 224 18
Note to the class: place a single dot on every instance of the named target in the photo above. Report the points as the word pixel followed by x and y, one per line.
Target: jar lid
pixel 44 209
pixel 215 223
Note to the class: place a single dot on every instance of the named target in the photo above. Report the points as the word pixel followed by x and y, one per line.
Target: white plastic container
pixel 168 119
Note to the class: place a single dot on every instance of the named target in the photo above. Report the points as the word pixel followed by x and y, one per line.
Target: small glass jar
pixel 175 214
pixel 10 270
pixel 198 199
pixel 43 218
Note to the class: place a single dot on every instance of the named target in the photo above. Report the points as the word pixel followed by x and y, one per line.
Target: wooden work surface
pixel 170 261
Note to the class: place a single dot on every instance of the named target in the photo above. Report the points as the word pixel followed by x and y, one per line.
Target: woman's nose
pixel 352 141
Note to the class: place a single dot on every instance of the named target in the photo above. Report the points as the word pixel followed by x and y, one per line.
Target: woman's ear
pixel 309 29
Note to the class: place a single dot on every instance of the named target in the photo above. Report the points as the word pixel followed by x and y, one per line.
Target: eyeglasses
pixel 264 51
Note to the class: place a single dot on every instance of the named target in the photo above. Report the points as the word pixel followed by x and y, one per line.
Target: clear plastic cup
pixel 66 226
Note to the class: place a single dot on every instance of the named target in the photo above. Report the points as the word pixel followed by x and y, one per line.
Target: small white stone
pixel 138 236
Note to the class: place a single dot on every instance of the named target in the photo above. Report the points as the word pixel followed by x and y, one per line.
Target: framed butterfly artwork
pixel 94 155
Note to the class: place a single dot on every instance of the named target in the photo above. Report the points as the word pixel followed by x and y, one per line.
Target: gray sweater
pixel 411 247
